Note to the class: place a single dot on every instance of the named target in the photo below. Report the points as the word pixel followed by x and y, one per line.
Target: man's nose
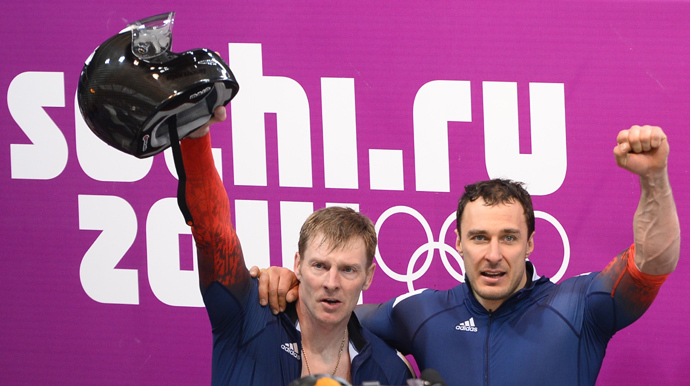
pixel 494 255
pixel 332 280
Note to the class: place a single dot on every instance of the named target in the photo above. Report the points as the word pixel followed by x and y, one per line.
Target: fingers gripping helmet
pixel 132 85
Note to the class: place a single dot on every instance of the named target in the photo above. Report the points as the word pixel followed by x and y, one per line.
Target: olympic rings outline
pixel 564 239
pixel 431 245
pixel 379 260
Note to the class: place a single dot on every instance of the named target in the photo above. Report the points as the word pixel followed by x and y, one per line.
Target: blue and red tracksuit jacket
pixel 545 334
pixel 251 346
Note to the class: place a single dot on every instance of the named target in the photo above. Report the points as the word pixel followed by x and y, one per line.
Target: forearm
pixel 656 226
pixel 218 248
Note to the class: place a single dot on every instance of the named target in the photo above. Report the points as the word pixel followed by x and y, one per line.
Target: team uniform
pixel 251 346
pixel 546 333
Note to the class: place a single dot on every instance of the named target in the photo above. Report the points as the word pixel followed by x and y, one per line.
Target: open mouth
pixel 493 275
pixel 331 301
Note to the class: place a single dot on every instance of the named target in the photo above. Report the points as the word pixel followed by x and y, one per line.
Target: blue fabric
pixel 552 334
pixel 251 346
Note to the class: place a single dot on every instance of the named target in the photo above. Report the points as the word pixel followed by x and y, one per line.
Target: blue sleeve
pixel 376 318
pixel 391 321
pixel 229 313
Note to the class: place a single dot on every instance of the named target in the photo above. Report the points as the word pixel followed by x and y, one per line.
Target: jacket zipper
pixel 486 351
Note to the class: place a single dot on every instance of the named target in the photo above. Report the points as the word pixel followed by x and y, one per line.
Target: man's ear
pixel 297 264
pixel 458 243
pixel 370 276
pixel 530 244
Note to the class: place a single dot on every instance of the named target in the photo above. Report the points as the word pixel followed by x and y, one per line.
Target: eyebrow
pixel 509 231
pixel 473 232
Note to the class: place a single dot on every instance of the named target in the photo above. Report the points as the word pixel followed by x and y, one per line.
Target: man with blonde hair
pixel 317 334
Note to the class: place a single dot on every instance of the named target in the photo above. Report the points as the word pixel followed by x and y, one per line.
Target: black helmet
pixel 132 84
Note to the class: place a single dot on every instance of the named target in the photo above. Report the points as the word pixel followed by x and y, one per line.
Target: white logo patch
pixel 292 349
pixel 467 326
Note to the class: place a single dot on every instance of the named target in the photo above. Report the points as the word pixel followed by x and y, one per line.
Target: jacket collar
pixel 354 327
pixel 514 301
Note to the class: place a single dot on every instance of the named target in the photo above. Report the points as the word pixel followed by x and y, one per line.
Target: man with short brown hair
pixel 505 325
pixel 319 333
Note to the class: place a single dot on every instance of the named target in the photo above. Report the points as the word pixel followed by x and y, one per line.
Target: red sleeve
pixel 631 286
pixel 218 249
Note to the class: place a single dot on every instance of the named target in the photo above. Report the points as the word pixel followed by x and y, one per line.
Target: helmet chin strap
pixel 179 167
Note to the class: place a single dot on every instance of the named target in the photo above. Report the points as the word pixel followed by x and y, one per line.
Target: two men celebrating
pixel 528 329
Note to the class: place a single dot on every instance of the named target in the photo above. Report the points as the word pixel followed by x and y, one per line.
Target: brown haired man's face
pixel 331 281
pixel 494 245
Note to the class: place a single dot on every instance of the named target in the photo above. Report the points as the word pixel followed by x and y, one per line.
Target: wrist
pixel 199 133
pixel 655 179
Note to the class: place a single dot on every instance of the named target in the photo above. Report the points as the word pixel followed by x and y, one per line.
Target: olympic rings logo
pixel 444 249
